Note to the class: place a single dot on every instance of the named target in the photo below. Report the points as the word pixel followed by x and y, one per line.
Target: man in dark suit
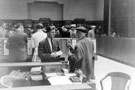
pixel 17 45
pixel 48 47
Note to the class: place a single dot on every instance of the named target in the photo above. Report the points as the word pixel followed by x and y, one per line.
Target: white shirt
pixel 2 32
pixel 49 40
pixel 37 37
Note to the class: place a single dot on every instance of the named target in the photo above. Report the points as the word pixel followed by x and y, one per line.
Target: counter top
pixel 83 86
pixel 29 64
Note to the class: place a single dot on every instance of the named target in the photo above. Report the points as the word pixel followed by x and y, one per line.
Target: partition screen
pixel 122 17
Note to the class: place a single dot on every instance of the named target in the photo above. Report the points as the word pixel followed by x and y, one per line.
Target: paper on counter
pixel 59 53
pixel 70 74
pixel 59 80
pixel 36 77
pixel 73 42
pixel 33 69
pixel 51 74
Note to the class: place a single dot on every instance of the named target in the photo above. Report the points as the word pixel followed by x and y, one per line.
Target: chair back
pixel 119 81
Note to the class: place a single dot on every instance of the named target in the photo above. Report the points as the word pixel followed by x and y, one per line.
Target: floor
pixel 105 65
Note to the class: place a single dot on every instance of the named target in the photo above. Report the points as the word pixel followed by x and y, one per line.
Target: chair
pixel 119 81
pixel 12 81
pixel 15 79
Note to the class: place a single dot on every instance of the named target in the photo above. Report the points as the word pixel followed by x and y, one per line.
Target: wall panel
pixel 123 27
pixel 119 49
pixel 51 10
pixel 122 14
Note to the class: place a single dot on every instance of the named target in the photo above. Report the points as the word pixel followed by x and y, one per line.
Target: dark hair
pixel 39 26
pixel 48 29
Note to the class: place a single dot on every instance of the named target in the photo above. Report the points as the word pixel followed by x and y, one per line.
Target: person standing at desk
pixel 83 53
pixel 48 47
pixel 91 35
pixel 17 45
pixel 36 38
pixel 3 30
pixel 91 32
pixel 73 31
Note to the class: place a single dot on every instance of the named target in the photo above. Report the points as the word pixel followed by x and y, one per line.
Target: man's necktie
pixel 52 44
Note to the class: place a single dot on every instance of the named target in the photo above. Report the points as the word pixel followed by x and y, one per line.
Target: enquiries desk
pixel 55 67
pixel 7 68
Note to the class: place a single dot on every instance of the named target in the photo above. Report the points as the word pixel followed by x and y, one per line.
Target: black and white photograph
pixel 67 44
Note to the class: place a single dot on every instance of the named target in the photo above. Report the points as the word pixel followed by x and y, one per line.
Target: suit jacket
pixel 17 43
pixel 44 50
pixel 83 56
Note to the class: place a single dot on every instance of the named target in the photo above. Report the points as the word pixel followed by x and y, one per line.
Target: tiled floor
pixel 104 66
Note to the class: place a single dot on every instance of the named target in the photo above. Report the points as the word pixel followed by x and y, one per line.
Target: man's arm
pixel 77 54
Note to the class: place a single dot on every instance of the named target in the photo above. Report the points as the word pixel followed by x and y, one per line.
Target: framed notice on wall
pixel 29 46
pixel 73 42
pixel 1 47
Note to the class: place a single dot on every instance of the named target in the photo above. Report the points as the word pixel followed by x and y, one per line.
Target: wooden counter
pixel 6 68
pixel 24 64
pixel 55 87
pixel 52 66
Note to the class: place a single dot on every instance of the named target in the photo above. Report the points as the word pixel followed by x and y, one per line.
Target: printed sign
pixel 6 51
